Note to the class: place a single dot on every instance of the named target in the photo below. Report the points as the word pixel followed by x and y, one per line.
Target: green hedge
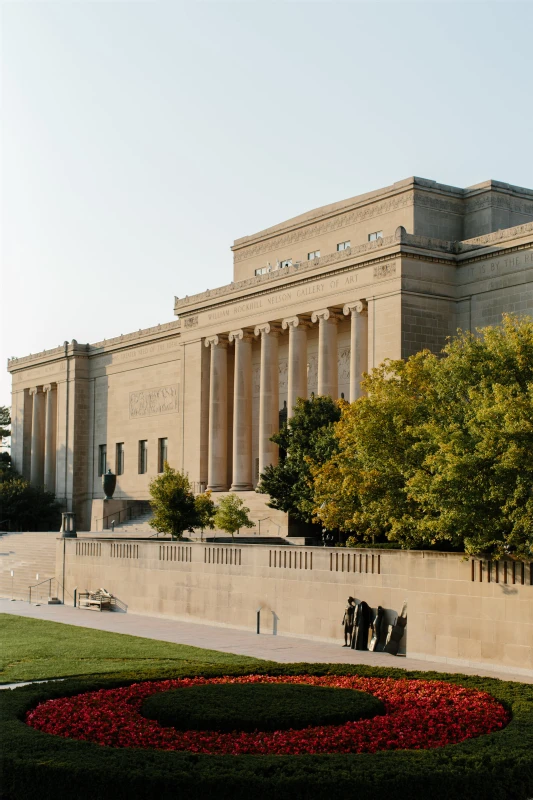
pixel 261 706
pixel 39 766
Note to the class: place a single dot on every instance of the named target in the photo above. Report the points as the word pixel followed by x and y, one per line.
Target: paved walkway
pixel 283 649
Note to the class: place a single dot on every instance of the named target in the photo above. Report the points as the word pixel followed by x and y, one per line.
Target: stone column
pixel 242 412
pixel 50 438
pixel 327 352
pixel 358 345
pixel 297 368
pixel 268 394
pixel 217 462
pixel 37 437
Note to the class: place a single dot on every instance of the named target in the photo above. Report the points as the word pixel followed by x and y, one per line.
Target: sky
pixel 139 139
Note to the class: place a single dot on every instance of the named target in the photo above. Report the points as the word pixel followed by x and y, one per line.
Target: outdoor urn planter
pixel 109 482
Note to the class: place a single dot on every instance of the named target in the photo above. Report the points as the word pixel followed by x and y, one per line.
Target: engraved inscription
pixel 149 402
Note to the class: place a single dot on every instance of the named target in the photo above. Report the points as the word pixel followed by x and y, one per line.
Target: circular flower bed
pixel 418 715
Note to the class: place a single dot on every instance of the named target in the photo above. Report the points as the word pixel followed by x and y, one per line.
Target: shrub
pixel 498 766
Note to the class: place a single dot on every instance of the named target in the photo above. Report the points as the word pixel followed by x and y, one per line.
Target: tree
pixel 307 438
pixel 172 503
pixel 232 514
pixel 206 510
pixel 5 423
pixel 439 452
pixel 27 508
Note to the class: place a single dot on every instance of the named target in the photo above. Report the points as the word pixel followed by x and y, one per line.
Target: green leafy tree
pixel 306 439
pixel 5 422
pixel 172 502
pixel 206 510
pixel 27 508
pixel 439 452
pixel 232 514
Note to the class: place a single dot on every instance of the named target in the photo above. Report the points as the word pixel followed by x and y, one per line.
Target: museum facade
pixel 315 302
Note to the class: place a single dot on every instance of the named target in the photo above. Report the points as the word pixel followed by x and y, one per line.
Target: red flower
pixel 419 715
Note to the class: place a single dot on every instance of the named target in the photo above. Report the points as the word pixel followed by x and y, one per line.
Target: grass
pixel 34 649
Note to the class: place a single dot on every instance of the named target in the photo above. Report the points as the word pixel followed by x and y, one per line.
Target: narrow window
pixel 343 246
pixel 120 458
pixel 163 454
pixel 313 254
pixel 102 459
pixel 143 456
pixel 375 235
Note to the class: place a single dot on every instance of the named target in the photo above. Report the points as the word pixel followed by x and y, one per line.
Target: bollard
pixel 258 615
pixel 75 596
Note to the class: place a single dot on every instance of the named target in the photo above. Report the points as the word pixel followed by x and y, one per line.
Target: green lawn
pixel 32 649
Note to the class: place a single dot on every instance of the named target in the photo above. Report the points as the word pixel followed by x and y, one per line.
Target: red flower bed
pixel 419 715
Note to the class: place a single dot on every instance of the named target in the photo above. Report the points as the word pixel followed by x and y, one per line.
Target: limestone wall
pixel 469 612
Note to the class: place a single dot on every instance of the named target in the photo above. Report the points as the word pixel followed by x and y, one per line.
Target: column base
pixel 216 487
pixel 241 487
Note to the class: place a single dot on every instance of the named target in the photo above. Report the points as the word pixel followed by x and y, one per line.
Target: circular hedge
pixel 258 706
pixel 497 766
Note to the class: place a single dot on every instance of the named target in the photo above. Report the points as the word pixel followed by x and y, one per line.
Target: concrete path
pixel 231 640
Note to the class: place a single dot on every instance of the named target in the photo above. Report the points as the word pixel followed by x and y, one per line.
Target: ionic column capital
pixel 49 387
pixel 240 335
pixel 358 307
pixel 295 322
pixel 267 328
pixel 216 341
pixel 325 314
pixel 34 390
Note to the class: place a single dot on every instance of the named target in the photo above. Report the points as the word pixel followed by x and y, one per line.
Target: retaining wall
pixel 465 611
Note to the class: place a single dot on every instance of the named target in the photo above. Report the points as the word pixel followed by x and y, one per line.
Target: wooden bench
pixel 98 601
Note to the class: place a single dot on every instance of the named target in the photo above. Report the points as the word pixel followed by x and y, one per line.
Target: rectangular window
pixel 376 235
pixel 313 255
pixel 343 246
pixel 119 466
pixel 286 263
pixel 263 270
pixel 143 456
pixel 102 459
pixel 163 454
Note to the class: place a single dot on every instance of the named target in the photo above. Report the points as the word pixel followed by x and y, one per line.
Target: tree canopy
pixel 307 438
pixel 232 514
pixel 439 451
pixel 173 503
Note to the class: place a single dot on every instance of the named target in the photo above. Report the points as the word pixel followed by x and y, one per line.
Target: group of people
pixel 357 622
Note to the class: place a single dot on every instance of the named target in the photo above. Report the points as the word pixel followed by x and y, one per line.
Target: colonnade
pixel 43 436
pixel 268 333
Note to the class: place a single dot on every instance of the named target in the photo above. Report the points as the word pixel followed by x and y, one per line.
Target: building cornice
pixel 89 350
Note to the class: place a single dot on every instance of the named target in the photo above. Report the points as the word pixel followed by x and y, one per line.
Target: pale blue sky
pixel 139 139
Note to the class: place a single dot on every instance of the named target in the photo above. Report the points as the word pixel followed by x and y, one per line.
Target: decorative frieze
pixel 151 402
pixel 243 252
pixel 385 270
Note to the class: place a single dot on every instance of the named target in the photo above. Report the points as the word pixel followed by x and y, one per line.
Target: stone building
pixel 315 301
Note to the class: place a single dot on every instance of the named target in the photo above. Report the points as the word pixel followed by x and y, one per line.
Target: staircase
pixel 268 522
pixel 28 555
pixel 136 526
